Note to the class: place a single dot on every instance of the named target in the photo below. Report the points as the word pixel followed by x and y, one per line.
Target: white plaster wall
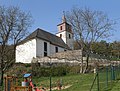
pixel 70 43
pixel 50 48
pixel 25 52
pixel 40 48
pixel 34 48
pixel 69 40
pixel 63 36
pixel 60 49
pixel 53 51
pixel 63 27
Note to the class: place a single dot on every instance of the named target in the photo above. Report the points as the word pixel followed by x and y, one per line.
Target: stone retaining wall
pixel 72 57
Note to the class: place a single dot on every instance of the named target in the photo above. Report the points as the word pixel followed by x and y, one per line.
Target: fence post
pixel 98 80
pixel 106 76
pixel 93 82
pixel 115 71
pixel 50 77
pixel 118 70
pixel 112 73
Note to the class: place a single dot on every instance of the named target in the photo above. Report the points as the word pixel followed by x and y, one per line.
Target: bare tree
pixel 89 26
pixel 13 28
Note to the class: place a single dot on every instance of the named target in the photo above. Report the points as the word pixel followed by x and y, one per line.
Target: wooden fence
pixel 21 88
pixel 10 84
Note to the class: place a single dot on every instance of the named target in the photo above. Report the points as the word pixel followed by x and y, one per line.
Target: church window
pixel 56 49
pixel 60 35
pixel 45 49
pixel 69 36
pixel 60 27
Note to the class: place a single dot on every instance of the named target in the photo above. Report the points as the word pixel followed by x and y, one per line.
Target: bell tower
pixel 65 32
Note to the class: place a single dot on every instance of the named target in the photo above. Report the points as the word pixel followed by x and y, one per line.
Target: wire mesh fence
pixel 107 74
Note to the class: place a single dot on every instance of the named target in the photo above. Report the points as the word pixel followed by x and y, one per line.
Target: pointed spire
pixel 63 17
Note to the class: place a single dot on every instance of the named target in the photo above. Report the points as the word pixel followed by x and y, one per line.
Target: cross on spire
pixel 63 17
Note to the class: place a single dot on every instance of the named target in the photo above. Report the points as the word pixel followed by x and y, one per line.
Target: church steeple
pixel 65 32
pixel 63 18
pixel 64 26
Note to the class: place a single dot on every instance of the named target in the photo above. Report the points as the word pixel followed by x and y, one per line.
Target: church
pixel 41 43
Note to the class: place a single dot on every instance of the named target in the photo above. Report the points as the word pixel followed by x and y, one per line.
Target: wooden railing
pixel 21 88
pixel 9 81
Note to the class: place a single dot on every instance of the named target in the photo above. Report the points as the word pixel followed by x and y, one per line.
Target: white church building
pixel 41 43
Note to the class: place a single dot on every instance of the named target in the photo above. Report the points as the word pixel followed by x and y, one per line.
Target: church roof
pixel 44 35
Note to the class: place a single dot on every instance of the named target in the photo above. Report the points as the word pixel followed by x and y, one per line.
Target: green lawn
pixel 116 87
pixel 79 82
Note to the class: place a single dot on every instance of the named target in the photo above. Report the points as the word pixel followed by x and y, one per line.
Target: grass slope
pixel 79 82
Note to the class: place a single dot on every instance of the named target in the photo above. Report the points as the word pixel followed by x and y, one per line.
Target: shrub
pixel 47 71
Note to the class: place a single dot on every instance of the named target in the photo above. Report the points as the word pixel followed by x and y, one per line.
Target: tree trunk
pixel 86 67
pixel 81 69
pixel 1 73
pixel 1 78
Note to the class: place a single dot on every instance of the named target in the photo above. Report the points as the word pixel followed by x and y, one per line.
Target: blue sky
pixel 47 13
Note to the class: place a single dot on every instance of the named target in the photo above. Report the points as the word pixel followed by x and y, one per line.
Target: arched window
pixel 56 49
pixel 69 36
pixel 45 49
pixel 60 35
pixel 60 27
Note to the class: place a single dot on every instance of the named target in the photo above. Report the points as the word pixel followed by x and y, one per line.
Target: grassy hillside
pixel 73 81
pixel 80 82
